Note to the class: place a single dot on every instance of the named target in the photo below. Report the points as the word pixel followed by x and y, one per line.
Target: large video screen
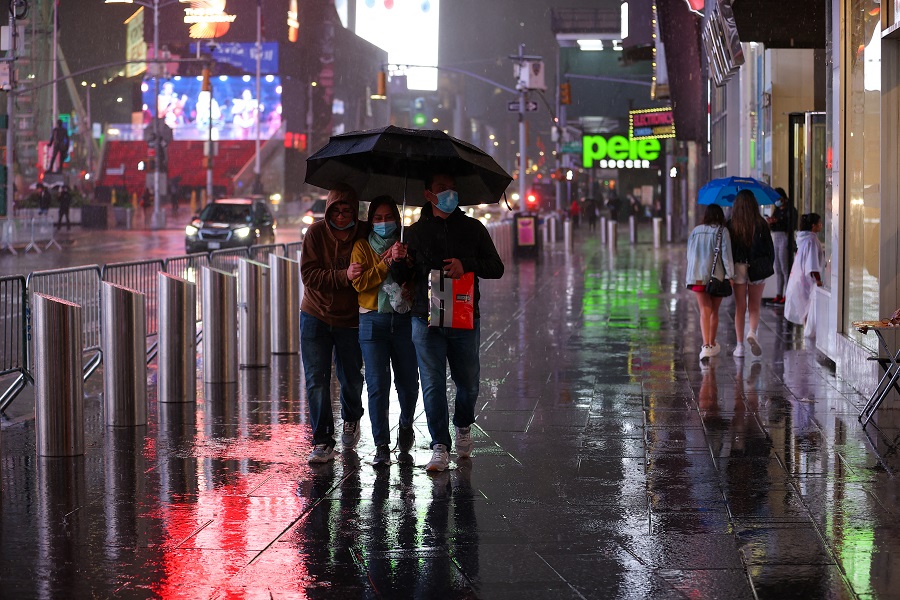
pixel 235 108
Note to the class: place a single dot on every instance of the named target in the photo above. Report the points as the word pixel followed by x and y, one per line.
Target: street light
pixel 159 216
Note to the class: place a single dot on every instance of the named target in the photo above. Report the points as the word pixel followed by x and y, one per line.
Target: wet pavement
pixel 607 464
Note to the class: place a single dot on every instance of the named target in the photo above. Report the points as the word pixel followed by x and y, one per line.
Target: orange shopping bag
pixel 451 301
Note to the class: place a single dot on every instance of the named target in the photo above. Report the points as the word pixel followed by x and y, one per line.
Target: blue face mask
pixel 344 228
pixel 448 200
pixel 386 229
pixel 778 203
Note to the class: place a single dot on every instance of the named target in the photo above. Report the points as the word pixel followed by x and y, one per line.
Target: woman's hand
pixel 398 251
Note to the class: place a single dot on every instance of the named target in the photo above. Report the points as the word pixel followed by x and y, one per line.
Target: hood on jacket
pixel 342 193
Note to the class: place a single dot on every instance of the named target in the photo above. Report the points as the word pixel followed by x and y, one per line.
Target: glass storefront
pixel 862 174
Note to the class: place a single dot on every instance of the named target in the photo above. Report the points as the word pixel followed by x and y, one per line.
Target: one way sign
pixel 530 106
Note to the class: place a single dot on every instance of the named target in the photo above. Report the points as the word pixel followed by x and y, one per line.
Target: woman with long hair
pixel 703 244
pixel 754 259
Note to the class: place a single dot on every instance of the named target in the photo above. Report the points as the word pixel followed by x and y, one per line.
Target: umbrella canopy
pixel 722 191
pixel 397 161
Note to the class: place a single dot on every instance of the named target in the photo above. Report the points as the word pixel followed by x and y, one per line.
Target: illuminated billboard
pixel 186 108
pixel 381 21
pixel 651 123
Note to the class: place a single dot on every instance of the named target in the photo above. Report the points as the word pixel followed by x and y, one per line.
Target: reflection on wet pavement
pixel 607 464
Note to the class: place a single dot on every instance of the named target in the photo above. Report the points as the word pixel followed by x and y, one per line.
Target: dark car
pixel 230 223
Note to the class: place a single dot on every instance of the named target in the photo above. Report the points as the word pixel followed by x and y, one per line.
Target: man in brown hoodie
pixel 329 322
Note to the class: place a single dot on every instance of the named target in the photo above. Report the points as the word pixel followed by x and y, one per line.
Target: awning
pixel 781 24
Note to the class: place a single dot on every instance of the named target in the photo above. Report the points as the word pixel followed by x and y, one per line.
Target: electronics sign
pixel 186 108
pixel 651 124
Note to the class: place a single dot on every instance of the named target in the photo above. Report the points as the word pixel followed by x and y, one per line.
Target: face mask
pixel 344 228
pixel 778 203
pixel 386 229
pixel 448 200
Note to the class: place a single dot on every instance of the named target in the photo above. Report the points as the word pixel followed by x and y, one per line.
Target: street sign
pixel 572 148
pixel 530 106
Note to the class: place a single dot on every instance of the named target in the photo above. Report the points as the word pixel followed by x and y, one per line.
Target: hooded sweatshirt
pixel 328 294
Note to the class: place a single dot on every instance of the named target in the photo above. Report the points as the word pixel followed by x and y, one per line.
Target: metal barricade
pixel 80 285
pixel 14 332
pixel 186 266
pixel 7 235
pixel 141 277
pixel 261 253
pixel 227 260
pixel 42 230
pixel 292 249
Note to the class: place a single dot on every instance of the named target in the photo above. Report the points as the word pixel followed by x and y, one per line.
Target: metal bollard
pixel 177 377
pixel 285 285
pixel 254 339
pixel 657 232
pixel 602 229
pixel 218 301
pixel 58 383
pixel 553 221
pixel 545 232
pixel 612 234
pixel 669 228
pixel 632 230
pixel 123 340
pixel 567 234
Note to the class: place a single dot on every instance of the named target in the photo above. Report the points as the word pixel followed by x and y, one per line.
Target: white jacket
pixel 798 294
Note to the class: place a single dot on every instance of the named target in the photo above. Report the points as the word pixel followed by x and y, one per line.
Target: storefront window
pixel 861 210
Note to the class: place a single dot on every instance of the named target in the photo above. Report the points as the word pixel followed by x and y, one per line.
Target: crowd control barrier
pixel 141 277
pixel 58 383
pixel 261 253
pixel 124 331
pixel 176 378
pixel 14 332
pixel 227 260
pixel 80 285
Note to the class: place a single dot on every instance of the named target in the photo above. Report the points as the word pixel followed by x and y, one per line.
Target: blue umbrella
pixel 722 191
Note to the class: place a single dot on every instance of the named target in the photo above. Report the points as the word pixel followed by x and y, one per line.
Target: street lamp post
pixel 159 215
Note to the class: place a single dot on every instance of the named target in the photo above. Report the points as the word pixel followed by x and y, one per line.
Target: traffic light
pixel 565 93
pixel 382 84
pixel 206 86
pixel 419 117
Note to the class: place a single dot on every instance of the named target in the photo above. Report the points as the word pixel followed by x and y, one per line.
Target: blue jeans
pixel 319 344
pixel 386 340
pixel 435 347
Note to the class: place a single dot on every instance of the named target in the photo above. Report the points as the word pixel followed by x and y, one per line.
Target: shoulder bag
pixel 717 287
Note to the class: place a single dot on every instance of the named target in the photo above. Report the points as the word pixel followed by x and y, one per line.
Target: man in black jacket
pixel 454 243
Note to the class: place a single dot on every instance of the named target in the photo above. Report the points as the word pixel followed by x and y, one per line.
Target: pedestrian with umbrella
pixel 456 244
pixel 329 321
pixel 403 163
pixel 385 331
pixel 754 259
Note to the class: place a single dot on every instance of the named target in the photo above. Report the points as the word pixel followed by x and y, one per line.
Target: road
pixel 88 247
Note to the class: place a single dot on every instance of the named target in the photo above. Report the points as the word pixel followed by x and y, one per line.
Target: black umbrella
pixel 397 161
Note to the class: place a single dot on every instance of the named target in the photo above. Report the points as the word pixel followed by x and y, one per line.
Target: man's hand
pixel 453 268
pixel 398 251
pixel 354 271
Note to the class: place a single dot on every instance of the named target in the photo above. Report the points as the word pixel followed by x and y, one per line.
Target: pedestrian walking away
pixel 456 244
pixel 806 275
pixel 385 330
pixel 708 242
pixel 329 321
pixel 754 258
pixel 782 224
pixel 65 201
pixel 44 199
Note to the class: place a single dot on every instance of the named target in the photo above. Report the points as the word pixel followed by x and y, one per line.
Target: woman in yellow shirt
pixel 385 331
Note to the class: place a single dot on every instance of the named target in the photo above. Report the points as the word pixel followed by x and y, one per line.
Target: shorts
pixel 742 277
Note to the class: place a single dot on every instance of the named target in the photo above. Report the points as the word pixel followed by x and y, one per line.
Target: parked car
pixel 316 212
pixel 230 223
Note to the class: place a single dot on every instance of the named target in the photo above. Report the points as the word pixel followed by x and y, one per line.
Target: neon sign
pixel 618 152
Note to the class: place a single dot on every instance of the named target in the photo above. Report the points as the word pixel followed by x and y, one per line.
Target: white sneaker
pixel 704 352
pixel 440 459
pixel 715 350
pixel 464 442
pixel 739 350
pixel 754 344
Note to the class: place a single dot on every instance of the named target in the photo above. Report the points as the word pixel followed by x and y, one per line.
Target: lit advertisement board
pixel 651 123
pixel 618 152
pixel 186 108
pixel 408 31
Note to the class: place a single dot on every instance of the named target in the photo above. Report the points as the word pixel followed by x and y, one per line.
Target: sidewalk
pixel 606 465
